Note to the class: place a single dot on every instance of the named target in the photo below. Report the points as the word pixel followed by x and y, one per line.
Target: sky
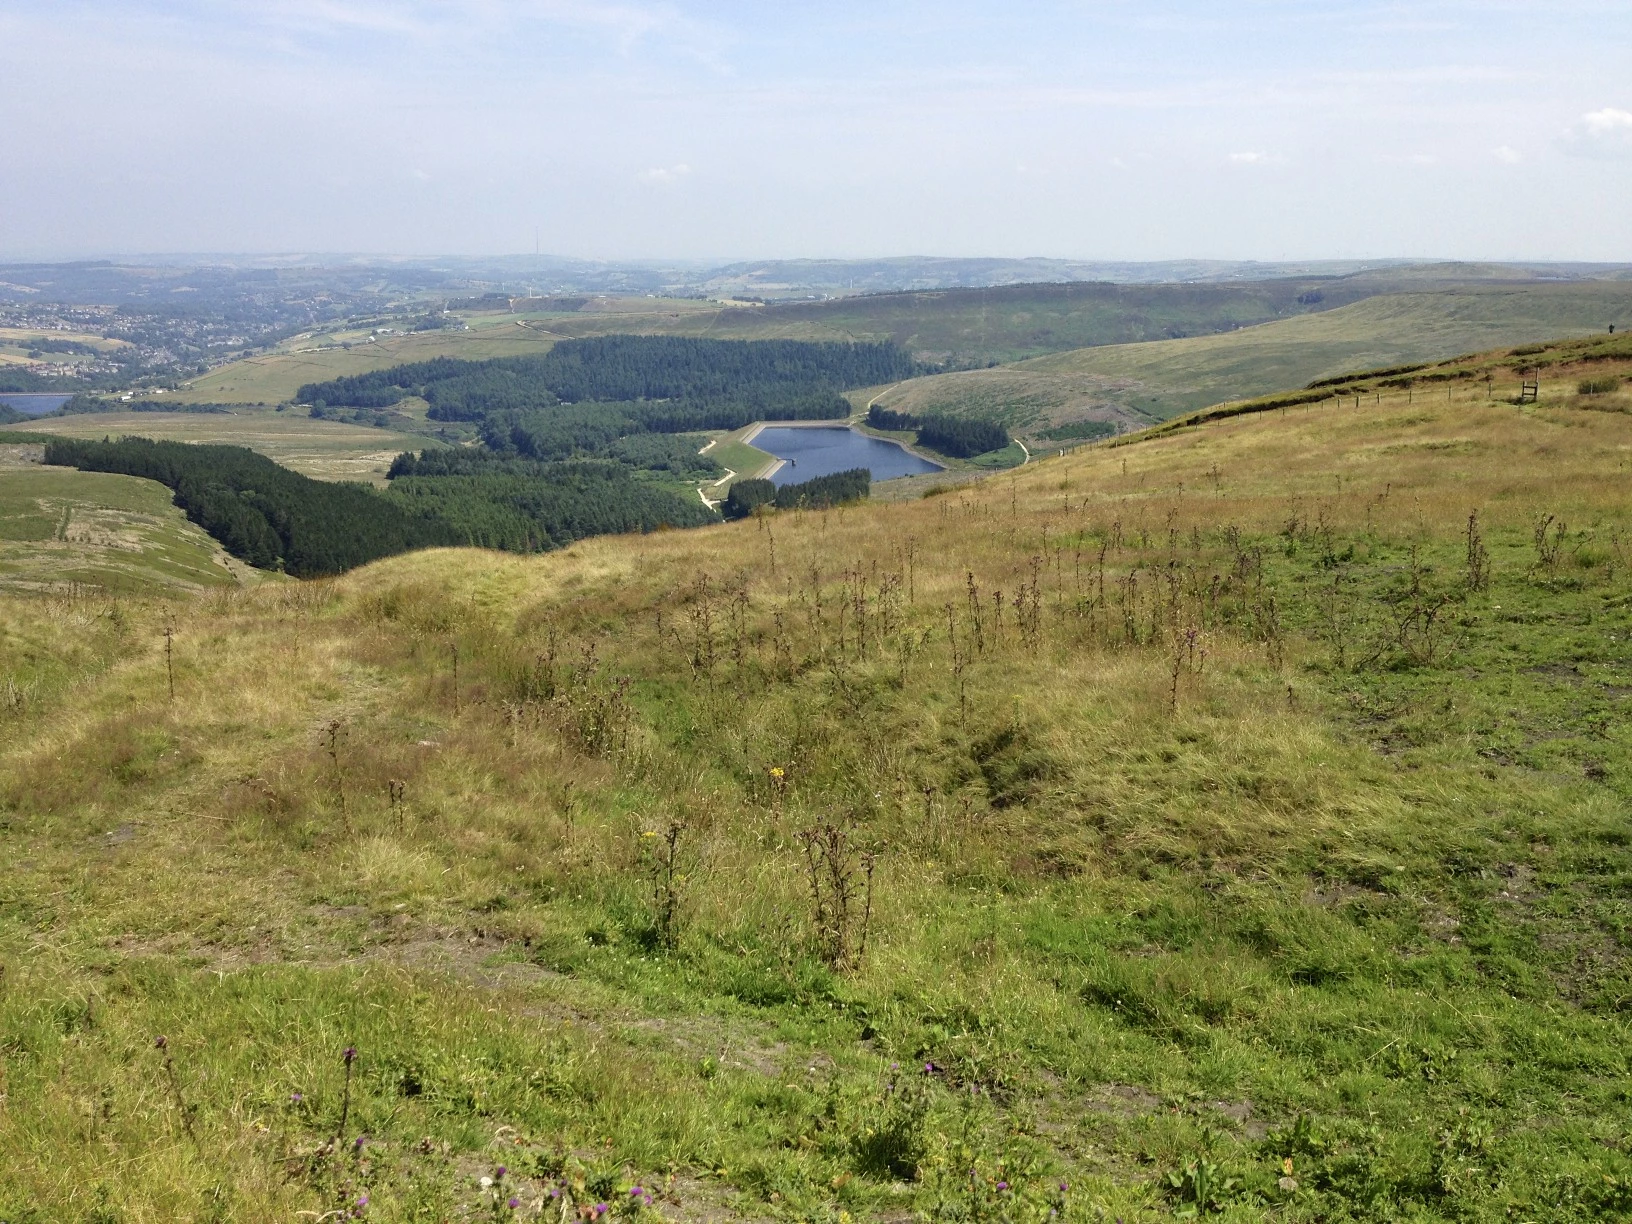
pixel 1146 129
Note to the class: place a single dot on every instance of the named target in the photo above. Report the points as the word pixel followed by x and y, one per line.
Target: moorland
pixel 1222 820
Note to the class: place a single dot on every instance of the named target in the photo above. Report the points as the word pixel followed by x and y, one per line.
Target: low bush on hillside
pixel 1088 430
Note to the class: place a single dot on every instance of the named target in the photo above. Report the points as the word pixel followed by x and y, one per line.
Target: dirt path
pixel 729 475
pixel 879 396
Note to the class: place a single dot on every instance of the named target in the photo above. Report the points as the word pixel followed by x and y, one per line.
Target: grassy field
pixel 735 455
pixel 1153 381
pixel 1225 824
pixel 61 529
pixel 327 450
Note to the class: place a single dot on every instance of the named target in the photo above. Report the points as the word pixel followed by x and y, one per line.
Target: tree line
pixel 818 493
pixel 593 428
pixel 590 397
pixel 260 512
pixel 274 518
pixel 960 437
pixel 607 369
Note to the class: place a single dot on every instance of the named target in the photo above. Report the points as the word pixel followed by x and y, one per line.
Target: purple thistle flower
pixel 160 1042
pixel 635 1192
pixel 350 1054
pixel 514 1202
pixel 297 1097
pixel 498 1173
pixel 600 1209
pixel 361 1139
pixel 1002 1185
pixel 1065 1186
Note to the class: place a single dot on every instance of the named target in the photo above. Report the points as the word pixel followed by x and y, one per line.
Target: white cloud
pixel 1507 154
pixel 1603 133
pixel 1256 157
pixel 664 176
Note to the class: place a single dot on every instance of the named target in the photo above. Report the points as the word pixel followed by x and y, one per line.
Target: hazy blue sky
pixel 1135 130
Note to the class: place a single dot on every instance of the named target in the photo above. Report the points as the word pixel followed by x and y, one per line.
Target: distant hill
pixel 1154 381
pixel 1228 825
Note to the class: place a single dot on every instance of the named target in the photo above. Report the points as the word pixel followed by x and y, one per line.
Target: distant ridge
pixel 214 278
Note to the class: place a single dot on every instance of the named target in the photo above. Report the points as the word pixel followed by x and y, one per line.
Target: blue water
pixel 33 403
pixel 823 450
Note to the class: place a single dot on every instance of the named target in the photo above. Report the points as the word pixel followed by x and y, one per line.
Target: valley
pixel 1229 817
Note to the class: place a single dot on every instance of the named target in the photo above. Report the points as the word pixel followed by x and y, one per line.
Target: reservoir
pixel 825 449
pixel 33 403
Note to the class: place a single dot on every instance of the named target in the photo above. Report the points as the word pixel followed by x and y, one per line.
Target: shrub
pixel 1080 429
pixel 1602 385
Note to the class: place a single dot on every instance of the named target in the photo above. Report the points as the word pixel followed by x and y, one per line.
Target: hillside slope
pixel 1163 378
pixel 62 530
pixel 1218 823
pixel 324 450
pixel 963 326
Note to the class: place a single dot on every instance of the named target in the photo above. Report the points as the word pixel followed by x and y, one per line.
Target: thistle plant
pixel 350 1057
pixel 162 1045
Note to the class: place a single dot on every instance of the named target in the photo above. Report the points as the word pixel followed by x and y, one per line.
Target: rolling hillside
pixel 1137 383
pixel 957 326
pixel 326 450
pixel 64 531
pixel 1226 823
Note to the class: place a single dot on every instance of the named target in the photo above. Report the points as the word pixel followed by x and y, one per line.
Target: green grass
pixel 1251 854
pixel 60 527
pixel 738 456
pixel 326 450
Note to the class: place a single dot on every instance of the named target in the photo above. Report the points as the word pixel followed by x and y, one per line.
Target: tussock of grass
pixel 1250 832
